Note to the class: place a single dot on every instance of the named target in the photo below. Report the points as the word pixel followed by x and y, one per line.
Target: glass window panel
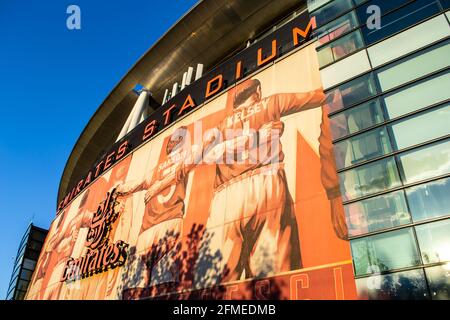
pixel 32 254
pixel 439 282
pixel 428 162
pixel 20 295
pixel 340 48
pixel 401 19
pixel 434 241
pixel 423 127
pixel 356 119
pixel 22 285
pixel 351 93
pixel 385 7
pixel 417 96
pixel 314 4
pixel 331 11
pixel 446 5
pixel 345 69
pixel 407 285
pixel 429 200
pixel 378 213
pixel 19 259
pixel 34 245
pixel 39 236
pixel 336 28
pixel 325 56
pixel 26 274
pixel 362 147
pixel 368 179
pixel 384 252
pixel 29 264
pixel 414 67
pixel 409 40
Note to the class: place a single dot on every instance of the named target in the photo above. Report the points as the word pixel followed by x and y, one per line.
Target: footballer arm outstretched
pixel 128 189
pixel 330 178
pixel 287 103
pixel 209 152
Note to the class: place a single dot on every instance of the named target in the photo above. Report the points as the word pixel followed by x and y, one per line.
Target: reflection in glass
pixel 32 254
pixel 401 18
pixel 314 4
pixel 414 67
pixel 434 241
pixel 26 274
pixel 368 179
pixel 362 147
pixel 425 163
pixel 22 285
pixel 351 93
pixel 19 261
pixel 331 11
pixel 34 245
pixel 29 264
pixel 377 213
pixel 433 124
pixel 429 200
pixel 336 28
pixel 385 6
pixel 384 252
pixel 439 281
pixel 418 95
pixel 340 48
pixel 356 119
pixel 20 295
pixel 408 285
pixel 38 236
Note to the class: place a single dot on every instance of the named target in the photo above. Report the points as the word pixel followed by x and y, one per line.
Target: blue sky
pixel 51 82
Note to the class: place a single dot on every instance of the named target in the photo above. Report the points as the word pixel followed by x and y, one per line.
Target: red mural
pixel 238 200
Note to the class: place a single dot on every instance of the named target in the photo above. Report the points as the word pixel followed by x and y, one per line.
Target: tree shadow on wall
pixel 182 268
pixel 173 267
pixel 263 286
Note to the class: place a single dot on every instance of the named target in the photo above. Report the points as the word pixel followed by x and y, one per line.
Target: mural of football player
pixel 120 230
pixel 48 258
pixel 251 198
pixel 58 248
pixel 64 249
pixel 78 289
pixel 330 178
pixel 165 192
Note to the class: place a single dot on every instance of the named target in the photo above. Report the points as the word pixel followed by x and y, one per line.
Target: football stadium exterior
pixel 266 149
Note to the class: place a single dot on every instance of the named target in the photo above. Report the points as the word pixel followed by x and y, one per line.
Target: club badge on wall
pixel 101 255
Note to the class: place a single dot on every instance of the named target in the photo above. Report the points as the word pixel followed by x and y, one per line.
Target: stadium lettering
pixel 101 166
pixel 249 60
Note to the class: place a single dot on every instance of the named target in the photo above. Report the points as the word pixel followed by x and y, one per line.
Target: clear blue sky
pixel 51 82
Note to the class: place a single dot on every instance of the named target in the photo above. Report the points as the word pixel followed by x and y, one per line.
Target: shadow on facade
pixel 179 268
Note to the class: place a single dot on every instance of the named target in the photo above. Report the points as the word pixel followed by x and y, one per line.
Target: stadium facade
pixel 272 149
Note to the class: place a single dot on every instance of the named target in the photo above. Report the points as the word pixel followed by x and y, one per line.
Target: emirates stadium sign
pixel 101 255
pixel 263 52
